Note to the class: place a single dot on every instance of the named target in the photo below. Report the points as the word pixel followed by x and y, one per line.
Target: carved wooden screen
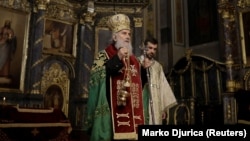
pixel 198 83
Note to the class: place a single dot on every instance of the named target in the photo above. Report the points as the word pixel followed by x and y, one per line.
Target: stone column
pixel 226 11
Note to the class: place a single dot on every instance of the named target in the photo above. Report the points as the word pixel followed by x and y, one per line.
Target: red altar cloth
pixel 21 124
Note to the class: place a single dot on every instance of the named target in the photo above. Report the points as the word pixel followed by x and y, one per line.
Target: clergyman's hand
pixel 123 52
pixel 146 63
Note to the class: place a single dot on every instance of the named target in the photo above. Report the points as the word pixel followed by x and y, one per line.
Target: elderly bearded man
pixel 115 105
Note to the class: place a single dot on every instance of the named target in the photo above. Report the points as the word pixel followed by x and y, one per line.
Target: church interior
pixel 204 48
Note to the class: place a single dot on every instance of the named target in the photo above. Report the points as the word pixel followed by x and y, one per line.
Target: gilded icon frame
pixel 59 37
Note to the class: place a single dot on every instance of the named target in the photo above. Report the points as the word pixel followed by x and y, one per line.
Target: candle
pixel 4 98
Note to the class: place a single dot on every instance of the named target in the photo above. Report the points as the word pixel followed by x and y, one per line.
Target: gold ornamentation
pixel 61 12
pixel 103 22
pixel 35 131
pixel 226 9
pixel 243 3
pixel 138 22
pixel 11 2
pixel 22 5
pixel 247 80
pixel 89 17
pixel 189 53
pixel 230 83
pixel 229 113
pixel 42 4
pixel 35 87
pixel 134 91
pixel 119 22
pixel 55 75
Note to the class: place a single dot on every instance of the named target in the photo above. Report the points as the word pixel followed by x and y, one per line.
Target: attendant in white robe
pixel 159 96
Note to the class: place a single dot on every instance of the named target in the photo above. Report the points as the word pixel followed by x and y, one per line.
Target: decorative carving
pixel 89 17
pixel 61 12
pixel 55 76
pixel 118 9
pixel 103 22
pixel 138 22
pixel 230 82
pixel 16 4
pixel 229 113
pixel 42 4
pixel 226 9
pixel 129 3
pixel 247 80
pixel 243 3
pixel 227 12
pixel 188 53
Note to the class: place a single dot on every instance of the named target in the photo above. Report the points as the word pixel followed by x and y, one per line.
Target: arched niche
pixel 54 97
pixel 182 115
pixel 55 87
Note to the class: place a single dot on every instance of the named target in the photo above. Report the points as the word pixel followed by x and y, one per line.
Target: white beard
pixel 120 43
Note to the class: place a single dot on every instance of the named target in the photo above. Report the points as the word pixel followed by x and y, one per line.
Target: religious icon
pixel 58 37
pixel 7 50
pixel 54 97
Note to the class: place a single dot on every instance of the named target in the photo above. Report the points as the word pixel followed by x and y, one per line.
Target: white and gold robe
pixel 163 97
